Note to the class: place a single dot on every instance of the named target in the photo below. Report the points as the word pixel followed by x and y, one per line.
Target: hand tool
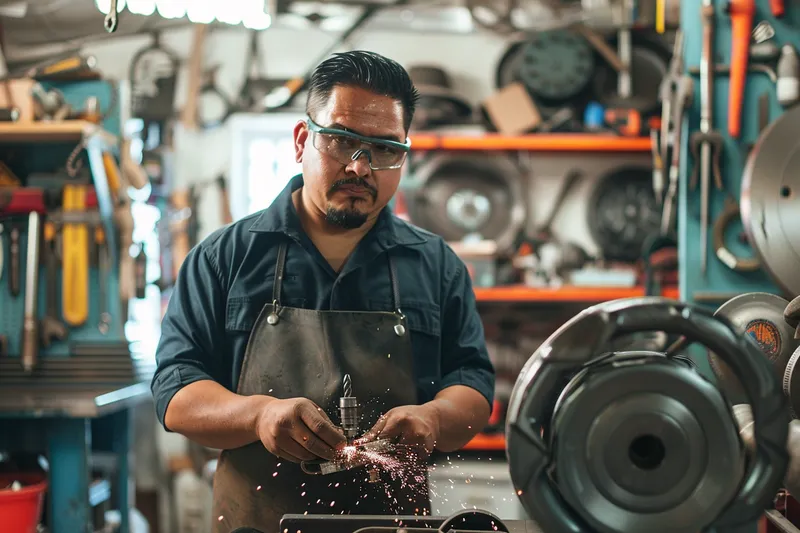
pixel 706 140
pixel 684 95
pixel 625 51
pixel 765 52
pixel 13 262
pixel 724 254
pixel 75 259
pixel 741 14
pixel 658 168
pixel 111 20
pixel 30 327
pixel 668 93
pixel 103 267
pixel 51 327
pixel 778 8
pixel 788 86
pixel 348 410
pixel 757 68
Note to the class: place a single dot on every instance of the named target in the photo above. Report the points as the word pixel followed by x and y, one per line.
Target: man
pixel 269 314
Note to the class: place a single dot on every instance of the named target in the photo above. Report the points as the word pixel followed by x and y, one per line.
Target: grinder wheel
pixel 791 383
pixel 770 200
pixel 760 316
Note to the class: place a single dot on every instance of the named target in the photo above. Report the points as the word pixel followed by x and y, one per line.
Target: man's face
pixel 350 193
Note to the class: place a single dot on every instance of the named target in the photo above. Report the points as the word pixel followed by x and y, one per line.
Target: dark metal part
pixel 759 316
pixel 400 524
pixel 724 254
pixel 791 383
pixel 52 328
pixel 112 18
pixel 752 68
pixel 470 194
pixel 557 65
pixel 473 521
pixel 13 262
pixel 770 200
pixel 623 213
pixel 578 455
pixel 792 315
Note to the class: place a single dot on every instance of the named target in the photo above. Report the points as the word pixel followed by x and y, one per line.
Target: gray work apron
pixel 306 353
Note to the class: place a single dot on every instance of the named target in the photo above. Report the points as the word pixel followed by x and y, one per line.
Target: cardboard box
pixel 17 93
pixel 512 110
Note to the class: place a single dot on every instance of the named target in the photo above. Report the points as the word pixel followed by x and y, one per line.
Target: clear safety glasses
pixel 345 146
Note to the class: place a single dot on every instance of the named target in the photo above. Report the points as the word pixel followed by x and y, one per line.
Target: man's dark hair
pixel 366 70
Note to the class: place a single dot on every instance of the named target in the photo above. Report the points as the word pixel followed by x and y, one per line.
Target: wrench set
pixel 58 235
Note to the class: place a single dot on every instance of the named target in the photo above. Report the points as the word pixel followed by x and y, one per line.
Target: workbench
pixel 60 424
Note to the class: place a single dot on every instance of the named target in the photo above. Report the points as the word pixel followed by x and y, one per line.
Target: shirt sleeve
pixel 192 330
pixel 465 359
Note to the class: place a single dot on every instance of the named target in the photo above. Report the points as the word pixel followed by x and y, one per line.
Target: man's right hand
pixel 298 430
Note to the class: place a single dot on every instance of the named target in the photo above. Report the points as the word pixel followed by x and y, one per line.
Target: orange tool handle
pixel 778 8
pixel 741 13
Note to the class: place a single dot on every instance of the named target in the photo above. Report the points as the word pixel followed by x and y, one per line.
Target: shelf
pixel 518 293
pixel 68 130
pixel 487 443
pixel 565 142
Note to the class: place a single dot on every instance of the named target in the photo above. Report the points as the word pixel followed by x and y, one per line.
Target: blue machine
pixel 61 410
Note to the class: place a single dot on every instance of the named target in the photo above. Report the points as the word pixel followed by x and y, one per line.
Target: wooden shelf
pixel 516 293
pixel 566 142
pixel 68 130
pixel 487 443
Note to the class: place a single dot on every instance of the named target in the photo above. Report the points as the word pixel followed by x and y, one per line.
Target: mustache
pixel 354 182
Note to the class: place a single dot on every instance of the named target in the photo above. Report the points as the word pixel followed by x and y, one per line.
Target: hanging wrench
pixel 110 21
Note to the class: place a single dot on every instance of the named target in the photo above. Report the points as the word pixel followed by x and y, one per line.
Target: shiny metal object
pixel 399 330
pixel 770 200
pixel 323 468
pixel 348 410
pixel 272 319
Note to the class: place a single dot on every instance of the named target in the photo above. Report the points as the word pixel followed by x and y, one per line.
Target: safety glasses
pixel 345 146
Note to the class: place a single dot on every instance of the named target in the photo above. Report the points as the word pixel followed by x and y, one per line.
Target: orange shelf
pixel 483 442
pixel 566 142
pixel 516 293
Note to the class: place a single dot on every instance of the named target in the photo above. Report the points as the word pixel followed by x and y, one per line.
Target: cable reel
pixel 621 442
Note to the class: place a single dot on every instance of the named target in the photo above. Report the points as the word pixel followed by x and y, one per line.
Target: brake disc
pixel 759 315
pixel 470 195
pixel 770 201
pixel 623 213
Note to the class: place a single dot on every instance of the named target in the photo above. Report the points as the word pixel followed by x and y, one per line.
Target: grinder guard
pixel 553 488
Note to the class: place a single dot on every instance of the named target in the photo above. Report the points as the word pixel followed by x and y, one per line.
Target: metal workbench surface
pixel 71 402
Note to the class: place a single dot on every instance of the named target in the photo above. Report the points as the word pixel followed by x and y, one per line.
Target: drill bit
pixel 348 410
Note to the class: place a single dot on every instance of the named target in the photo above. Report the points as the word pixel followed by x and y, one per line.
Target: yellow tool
pixel 75 237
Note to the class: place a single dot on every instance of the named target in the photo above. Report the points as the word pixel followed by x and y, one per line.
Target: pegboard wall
pixel 718 278
pixel 49 157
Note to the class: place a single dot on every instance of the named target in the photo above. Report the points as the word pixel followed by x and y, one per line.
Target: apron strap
pixel 395 288
pixel 279 267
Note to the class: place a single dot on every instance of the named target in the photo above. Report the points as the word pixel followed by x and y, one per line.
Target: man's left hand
pixel 413 425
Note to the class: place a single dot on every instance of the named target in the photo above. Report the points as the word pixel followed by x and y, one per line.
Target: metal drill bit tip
pixel 347 385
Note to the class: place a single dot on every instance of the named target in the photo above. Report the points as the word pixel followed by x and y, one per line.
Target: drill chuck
pixel 348 415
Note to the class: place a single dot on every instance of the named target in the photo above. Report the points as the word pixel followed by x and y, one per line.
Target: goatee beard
pixel 345 218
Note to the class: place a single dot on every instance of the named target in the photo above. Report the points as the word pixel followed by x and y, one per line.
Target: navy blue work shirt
pixel 227 279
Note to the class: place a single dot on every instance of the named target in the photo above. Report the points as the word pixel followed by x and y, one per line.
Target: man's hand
pixel 414 425
pixel 298 430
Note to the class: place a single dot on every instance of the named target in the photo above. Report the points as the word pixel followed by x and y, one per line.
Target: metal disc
pixel 466 195
pixel 759 315
pixel 770 201
pixel 646 447
pixel 623 213
pixel 791 383
pixel 556 65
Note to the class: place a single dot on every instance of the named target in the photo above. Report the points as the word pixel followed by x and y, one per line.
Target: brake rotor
pixel 770 201
pixel 759 315
pixel 623 213
pixel 556 65
pixel 470 195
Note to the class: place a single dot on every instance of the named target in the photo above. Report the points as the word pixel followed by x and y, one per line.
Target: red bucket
pixel 21 510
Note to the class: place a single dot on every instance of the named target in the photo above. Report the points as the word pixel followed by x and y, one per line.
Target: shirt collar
pixel 281 217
